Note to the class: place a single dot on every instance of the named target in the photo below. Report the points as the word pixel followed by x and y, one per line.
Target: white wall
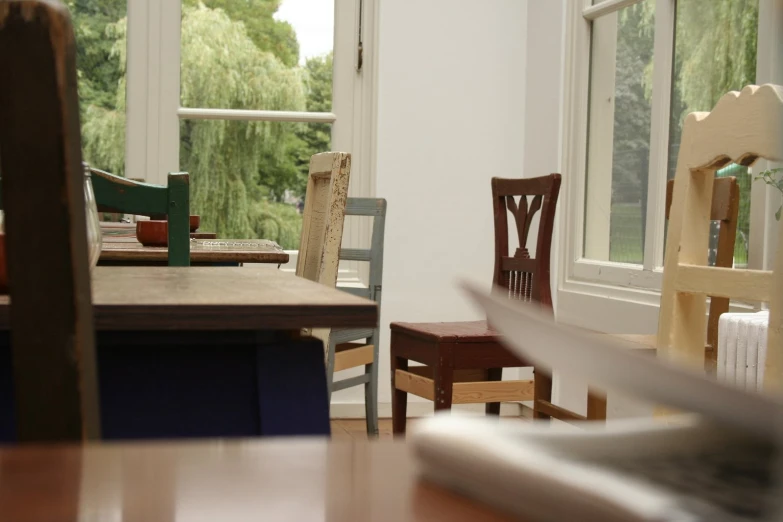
pixel 543 93
pixel 451 115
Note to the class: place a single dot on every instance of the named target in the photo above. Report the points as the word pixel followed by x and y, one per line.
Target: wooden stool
pixel 460 358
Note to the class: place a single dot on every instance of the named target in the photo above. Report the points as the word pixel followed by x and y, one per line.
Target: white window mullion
pixel 152 99
pixel 575 111
pixel 254 115
pixel 600 130
pixel 137 89
pixel 606 7
pixel 764 199
pixel 663 56
pixel 169 88
pixel 353 102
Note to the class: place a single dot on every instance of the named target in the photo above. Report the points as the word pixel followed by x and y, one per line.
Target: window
pixel 100 63
pixel 238 93
pixel 635 69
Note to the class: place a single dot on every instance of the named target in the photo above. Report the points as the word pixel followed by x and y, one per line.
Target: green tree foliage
pixel 234 55
pixel 274 36
pixel 632 107
pixel 716 49
pixel 223 67
pixel 715 53
pixel 99 68
pixel 100 59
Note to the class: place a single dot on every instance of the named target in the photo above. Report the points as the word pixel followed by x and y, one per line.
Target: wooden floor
pixel 355 429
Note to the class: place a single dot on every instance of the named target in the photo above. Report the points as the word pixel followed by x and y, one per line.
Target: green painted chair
pixel 125 196
pixel 343 353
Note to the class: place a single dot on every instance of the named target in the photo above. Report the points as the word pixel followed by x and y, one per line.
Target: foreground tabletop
pixel 284 480
pixel 225 298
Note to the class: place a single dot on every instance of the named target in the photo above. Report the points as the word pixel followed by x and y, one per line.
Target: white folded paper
pixel 719 464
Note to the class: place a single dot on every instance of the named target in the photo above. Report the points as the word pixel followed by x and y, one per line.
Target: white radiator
pixel 742 349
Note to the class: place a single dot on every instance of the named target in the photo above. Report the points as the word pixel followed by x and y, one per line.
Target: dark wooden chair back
pixel 525 278
pixel 51 317
pixel 725 210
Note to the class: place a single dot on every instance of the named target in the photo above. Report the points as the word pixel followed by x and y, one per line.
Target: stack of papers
pixel 719 464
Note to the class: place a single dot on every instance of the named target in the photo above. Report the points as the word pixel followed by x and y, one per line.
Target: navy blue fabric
pixel 178 392
pixel 190 384
pixel 292 389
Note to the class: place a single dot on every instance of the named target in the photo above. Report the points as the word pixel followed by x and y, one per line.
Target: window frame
pixel 154 111
pixel 642 283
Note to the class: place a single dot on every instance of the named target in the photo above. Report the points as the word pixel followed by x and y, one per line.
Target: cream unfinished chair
pixel 322 223
pixel 743 127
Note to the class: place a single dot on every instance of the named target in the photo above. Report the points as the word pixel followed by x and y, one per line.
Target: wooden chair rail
pixel 352 355
pixel 519 264
pixel 466 392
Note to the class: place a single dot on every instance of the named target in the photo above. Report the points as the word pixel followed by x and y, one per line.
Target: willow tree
pixel 715 52
pixel 716 49
pixel 221 67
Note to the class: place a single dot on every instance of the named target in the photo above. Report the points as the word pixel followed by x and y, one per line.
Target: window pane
pixel 256 54
pixel 100 59
pixel 714 53
pixel 619 134
pixel 248 179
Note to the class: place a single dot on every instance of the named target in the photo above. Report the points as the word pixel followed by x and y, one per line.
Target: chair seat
pixel 459 332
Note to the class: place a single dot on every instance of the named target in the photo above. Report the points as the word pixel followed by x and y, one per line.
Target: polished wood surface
pixel 201 251
pixel 225 298
pixel 120 246
pixel 285 480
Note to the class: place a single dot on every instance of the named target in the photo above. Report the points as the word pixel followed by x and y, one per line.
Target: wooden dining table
pixel 297 480
pixel 204 352
pixel 121 248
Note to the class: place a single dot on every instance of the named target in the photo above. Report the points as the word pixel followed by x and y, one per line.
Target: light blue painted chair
pixel 343 351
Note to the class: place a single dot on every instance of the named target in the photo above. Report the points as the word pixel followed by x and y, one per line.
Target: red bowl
pixel 152 232
pixel 195 222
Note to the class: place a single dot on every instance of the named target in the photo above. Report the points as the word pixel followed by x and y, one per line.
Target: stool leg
pixel 494 374
pixel 399 397
pixel 542 391
pixel 444 386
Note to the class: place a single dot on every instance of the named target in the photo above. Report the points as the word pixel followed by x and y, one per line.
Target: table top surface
pixel 216 298
pixel 120 246
pixel 282 480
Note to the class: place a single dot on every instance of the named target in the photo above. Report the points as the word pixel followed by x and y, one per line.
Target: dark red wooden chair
pixel 464 361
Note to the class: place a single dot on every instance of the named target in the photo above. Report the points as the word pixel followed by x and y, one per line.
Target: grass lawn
pixel 625 243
